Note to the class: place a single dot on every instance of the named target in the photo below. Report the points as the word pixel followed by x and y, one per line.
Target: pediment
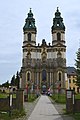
pixel 59 45
pixel 28 45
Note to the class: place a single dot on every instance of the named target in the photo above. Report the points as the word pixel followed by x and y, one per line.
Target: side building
pixel 44 65
pixel 71 79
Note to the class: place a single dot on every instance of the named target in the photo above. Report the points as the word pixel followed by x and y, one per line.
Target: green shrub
pixel 77 96
pixel 31 97
pixel 77 116
pixel 18 113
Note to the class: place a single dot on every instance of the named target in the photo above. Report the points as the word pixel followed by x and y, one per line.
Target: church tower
pixel 58 29
pixel 59 48
pixel 29 29
pixel 29 44
pixel 43 65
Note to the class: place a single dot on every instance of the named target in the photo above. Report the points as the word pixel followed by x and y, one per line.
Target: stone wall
pixel 77 105
pixel 72 104
pixel 4 104
pixel 17 103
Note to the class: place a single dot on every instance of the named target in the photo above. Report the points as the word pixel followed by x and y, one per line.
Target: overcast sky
pixel 12 19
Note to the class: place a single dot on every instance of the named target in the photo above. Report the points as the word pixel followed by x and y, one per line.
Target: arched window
pixel 58 36
pixel 28 76
pixel 29 36
pixel 44 75
pixel 59 76
pixel 29 24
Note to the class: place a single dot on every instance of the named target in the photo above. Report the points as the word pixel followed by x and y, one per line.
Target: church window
pixel 78 89
pixel 74 88
pixel 69 80
pixel 58 36
pixel 44 75
pixel 73 80
pixel 29 36
pixel 28 76
pixel 59 76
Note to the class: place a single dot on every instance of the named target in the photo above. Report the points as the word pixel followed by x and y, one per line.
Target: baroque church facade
pixel 44 65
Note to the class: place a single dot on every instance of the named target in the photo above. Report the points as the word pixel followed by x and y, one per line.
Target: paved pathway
pixel 45 110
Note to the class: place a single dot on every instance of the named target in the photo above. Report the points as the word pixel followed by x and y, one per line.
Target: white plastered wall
pixel 33 37
pixel 62 36
pixel 25 37
pixel 63 54
pixel 24 54
pixel 51 55
pixel 35 55
pixel 54 37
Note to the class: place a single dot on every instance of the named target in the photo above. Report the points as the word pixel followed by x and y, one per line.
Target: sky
pixel 12 19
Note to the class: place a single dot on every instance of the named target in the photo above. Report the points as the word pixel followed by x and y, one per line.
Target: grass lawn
pixel 77 96
pixel 59 98
pixel 76 116
pixel 14 114
pixel 3 95
pixel 31 97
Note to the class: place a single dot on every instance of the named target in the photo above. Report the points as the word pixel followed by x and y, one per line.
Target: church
pixel 44 65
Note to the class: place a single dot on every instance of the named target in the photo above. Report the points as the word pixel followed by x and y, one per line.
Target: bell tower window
pixel 57 24
pixel 58 36
pixel 29 36
pixel 29 24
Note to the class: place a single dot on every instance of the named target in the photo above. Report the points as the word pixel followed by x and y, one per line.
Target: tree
pixel 6 84
pixel 78 67
pixel 13 80
pixel 17 80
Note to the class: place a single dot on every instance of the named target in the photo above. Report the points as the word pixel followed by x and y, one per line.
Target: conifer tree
pixel 17 80
pixel 13 80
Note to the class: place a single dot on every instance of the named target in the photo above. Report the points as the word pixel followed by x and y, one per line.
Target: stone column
pixel 50 78
pixel 47 80
pixel 19 99
pixel 40 79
